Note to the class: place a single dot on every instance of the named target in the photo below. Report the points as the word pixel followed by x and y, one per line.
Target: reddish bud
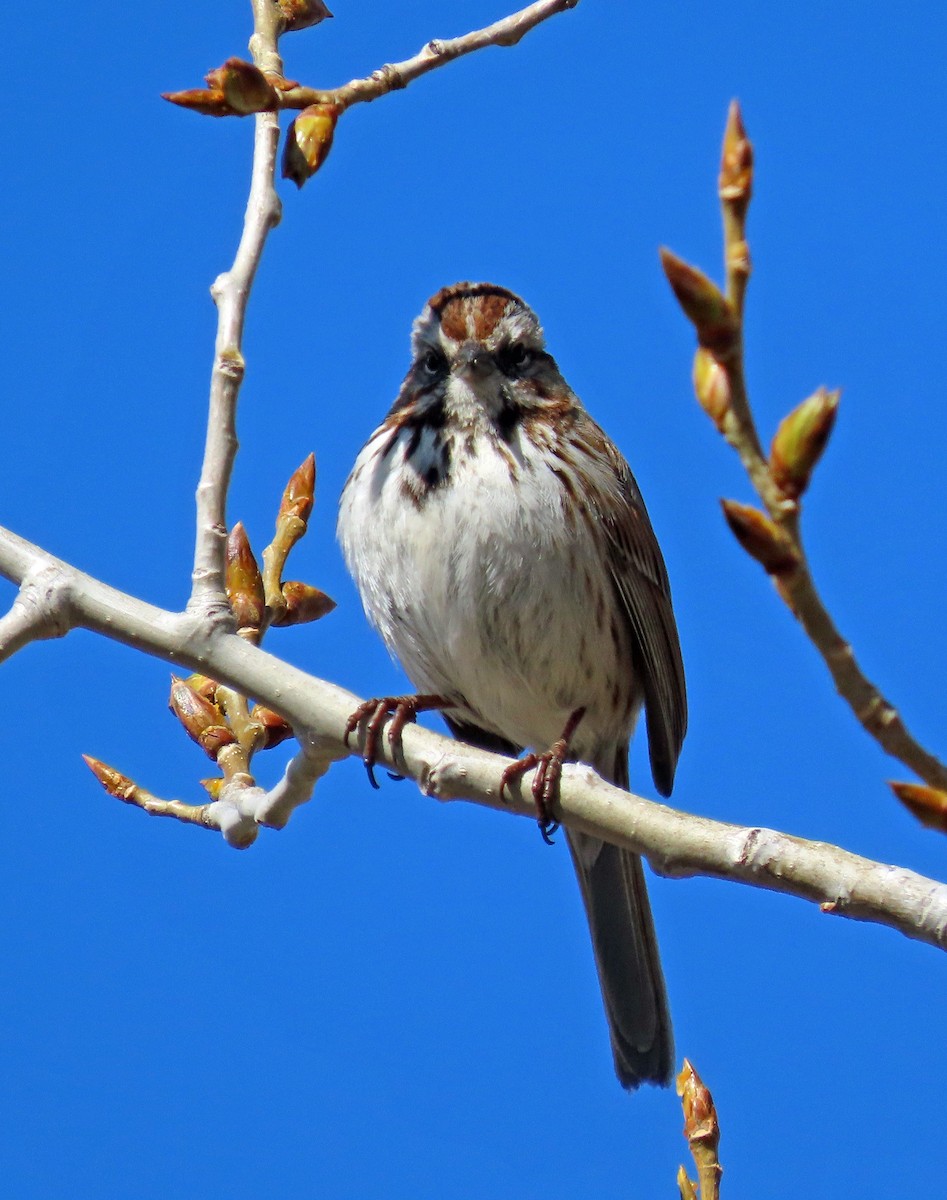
pixel 736 162
pixel 700 1115
pixel 928 804
pixel 204 686
pixel 202 720
pixel 703 303
pixel 114 782
pixel 304 603
pixel 301 14
pixel 212 103
pixel 711 386
pixel 760 537
pixel 800 440
pixel 275 728
pixel 244 87
pixel 308 141
pixel 300 491
pixel 702 1131
pixel 244 582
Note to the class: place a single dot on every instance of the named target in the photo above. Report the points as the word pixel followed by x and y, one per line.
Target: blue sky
pixel 393 998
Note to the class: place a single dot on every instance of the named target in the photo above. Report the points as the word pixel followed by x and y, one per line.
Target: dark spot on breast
pixel 433 472
pixel 507 420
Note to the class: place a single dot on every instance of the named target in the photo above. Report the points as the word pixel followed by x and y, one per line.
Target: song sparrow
pixel 502 549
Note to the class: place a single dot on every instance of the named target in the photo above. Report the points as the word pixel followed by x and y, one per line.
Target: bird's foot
pixel 545 786
pixel 375 712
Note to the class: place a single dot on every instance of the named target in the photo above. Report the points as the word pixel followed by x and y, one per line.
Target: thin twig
pixel 675 842
pixel 728 403
pixel 239 808
pixel 874 712
pixel 231 292
pixel 436 53
pixel 388 78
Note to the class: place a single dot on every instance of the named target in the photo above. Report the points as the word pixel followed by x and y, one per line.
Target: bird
pixel 502 549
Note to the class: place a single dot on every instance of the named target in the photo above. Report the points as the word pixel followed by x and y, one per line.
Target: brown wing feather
pixel 641 583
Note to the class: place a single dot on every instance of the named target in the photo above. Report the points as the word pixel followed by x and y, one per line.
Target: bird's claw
pixel 545 786
pixel 401 709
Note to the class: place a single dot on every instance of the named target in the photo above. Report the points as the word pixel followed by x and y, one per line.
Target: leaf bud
pixel 760 537
pixel 704 305
pixel 928 804
pixel 736 162
pixel 210 102
pixel 244 87
pixel 275 728
pixel 308 141
pixel 114 782
pixel 304 603
pixel 301 14
pixel 202 720
pixel 800 440
pixel 299 493
pixel 700 1115
pixel 711 386
pixel 243 580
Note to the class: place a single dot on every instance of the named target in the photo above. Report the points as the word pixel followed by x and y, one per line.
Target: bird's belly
pixel 488 593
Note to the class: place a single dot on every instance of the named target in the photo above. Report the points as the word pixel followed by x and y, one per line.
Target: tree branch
pixel 439 52
pixel 231 291
pixel 676 843
pixel 388 78
pixel 780 480
pixel 39 611
pixel 239 811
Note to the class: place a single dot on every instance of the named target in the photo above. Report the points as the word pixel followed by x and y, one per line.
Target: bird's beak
pixel 474 361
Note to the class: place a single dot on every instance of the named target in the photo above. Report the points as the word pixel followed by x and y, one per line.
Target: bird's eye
pixel 433 362
pixel 515 357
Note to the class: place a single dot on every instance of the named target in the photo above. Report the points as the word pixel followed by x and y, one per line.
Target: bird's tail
pixel 626 950
pixel 623 938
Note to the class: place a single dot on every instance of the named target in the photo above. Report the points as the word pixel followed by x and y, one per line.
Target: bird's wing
pixel 641 583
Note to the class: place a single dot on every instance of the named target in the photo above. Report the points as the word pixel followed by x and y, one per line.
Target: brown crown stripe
pixel 453 307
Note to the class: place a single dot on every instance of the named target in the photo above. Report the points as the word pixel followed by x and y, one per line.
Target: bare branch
pixel 39 611
pixel 676 843
pixel 720 383
pixel 302 774
pixel 280 94
pixel 437 53
pixel 231 292
pixel 240 808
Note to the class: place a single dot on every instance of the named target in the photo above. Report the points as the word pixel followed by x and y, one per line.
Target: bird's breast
pixel 485 583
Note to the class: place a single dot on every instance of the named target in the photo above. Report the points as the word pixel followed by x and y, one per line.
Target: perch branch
pixel 676 843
